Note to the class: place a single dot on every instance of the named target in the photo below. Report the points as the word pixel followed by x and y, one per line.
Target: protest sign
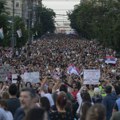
pixel 32 77
pixel 1 33
pixel 19 33
pixel 4 71
pixel 91 76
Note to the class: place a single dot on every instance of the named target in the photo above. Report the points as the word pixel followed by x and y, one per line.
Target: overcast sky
pixel 61 5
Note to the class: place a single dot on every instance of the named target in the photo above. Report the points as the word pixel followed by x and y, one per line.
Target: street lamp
pixel 13 31
pixel 30 13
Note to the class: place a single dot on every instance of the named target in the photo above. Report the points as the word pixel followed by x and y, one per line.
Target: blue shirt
pixel 109 102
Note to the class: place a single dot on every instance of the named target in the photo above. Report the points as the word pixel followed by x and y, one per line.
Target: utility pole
pixel 13 31
pixel 30 12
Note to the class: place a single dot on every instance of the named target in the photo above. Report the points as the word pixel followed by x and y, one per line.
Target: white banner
pixel 4 71
pixel 91 76
pixel 33 77
pixel 1 33
pixel 19 32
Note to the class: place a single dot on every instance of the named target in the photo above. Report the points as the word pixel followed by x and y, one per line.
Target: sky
pixel 61 7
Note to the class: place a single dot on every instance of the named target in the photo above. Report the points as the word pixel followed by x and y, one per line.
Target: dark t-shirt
pixel 115 116
pixel 60 116
pixel 115 107
pixel 19 114
pixel 13 105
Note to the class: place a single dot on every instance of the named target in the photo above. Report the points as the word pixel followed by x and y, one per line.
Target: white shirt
pixel 5 115
pixel 9 115
pixel 2 114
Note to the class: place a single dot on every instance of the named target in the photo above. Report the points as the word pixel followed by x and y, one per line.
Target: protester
pixel 97 97
pixel 45 104
pixel 115 116
pixel 8 114
pixel 61 113
pixel 84 109
pixel 96 112
pixel 109 101
pixel 117 103
pixel 13 102
pixel 59 62
pixel 27 96
pixel 36 114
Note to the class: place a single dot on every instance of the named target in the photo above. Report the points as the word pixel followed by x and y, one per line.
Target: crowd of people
pixel 59 95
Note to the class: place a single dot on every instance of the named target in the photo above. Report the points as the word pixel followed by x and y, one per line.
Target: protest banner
pixel 19 33
pixel 91 76
pixel 33 77
pixel 4 71
pixel 1 33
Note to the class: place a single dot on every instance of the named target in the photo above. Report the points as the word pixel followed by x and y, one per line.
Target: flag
pixel 19 32
pixel 72 70
pixel 110 60
pixel 1 33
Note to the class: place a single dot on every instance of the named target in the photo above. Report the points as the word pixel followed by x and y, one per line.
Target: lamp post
pixel 30 12
pixel 13 31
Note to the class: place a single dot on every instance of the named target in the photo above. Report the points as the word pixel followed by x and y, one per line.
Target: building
pixel 17 7
pixel 61 7
pixel 21 7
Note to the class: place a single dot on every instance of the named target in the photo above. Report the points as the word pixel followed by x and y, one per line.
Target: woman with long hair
pixel 61 113
pixel 96 112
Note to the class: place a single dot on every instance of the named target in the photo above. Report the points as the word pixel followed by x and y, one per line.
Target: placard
pixel 91 76
pixel 33 77
pixel 4 71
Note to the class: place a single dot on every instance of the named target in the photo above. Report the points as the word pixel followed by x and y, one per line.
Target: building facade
pixel 17 7
pixel 21 7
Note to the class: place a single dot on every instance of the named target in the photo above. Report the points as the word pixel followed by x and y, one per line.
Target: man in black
pixel 27 100
pixel 13 102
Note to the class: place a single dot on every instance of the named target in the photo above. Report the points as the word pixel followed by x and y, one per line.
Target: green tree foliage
pixel 19 25
pixel 3 23
pixel 6 24
pixel 44 21
pixel 2 6
pixel 98 19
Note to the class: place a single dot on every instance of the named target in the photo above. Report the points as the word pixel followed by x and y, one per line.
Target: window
pixel 17 4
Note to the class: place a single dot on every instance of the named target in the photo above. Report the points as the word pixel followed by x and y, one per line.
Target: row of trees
pixel 43 22
pixel 98 19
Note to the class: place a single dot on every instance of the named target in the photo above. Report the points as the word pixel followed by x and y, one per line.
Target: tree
pixel 2 7
pixel 3 23
pixel 19 25
pixel 44 21
pixel 98 19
